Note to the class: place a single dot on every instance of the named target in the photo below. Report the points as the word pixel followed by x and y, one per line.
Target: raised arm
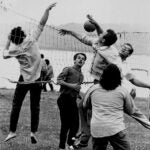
pixel 99 30
pixel 46 14
pixel 37 31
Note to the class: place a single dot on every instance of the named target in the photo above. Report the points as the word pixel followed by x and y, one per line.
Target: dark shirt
pixel 70 75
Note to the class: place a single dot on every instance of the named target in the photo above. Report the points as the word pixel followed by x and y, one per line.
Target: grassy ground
pixel 49 127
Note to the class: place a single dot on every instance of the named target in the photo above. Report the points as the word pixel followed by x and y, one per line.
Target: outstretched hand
pixel 63 32
pixel 51 6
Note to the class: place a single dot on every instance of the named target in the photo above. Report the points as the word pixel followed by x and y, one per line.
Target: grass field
pixel 48 135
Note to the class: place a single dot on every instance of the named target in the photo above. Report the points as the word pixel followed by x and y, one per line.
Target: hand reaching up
pixel 51 6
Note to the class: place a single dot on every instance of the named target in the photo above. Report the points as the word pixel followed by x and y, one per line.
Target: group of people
pixel 47 73
pixel 100 111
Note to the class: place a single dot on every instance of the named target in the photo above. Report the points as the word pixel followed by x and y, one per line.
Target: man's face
pixel 80 60
pixel 101 38
pixel 125 51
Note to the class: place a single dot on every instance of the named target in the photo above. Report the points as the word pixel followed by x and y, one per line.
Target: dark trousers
pixel 50 85
pixel 19 95
pixel 69 119
pixel 118 141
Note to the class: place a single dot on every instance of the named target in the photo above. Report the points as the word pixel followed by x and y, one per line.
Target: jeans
pixel 118 141
pixel 69 119
pixel 19 95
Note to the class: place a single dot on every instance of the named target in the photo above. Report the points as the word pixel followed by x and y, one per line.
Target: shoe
pixel 10 136
pixel 33 138
pixel 79 144
pixel 70 147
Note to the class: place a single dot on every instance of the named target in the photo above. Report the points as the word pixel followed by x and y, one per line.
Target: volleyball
pixel 89 27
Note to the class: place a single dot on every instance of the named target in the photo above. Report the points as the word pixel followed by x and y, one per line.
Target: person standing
pixel 27 53
pixel 70 80
pixel 49 75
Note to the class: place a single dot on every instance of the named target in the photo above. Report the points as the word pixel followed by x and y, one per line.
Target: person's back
pixel 107 111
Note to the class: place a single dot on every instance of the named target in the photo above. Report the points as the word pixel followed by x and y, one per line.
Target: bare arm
pixel 99 30
pixel 76 35
pixel 139 83
pixel 46 14
pixel 131 109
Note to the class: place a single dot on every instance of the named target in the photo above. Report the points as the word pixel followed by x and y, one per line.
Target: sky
pixel 104 11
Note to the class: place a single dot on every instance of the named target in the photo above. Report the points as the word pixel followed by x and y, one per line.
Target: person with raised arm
pixel 26 51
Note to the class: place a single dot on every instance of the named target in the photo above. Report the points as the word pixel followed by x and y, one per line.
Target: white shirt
pixel 103 55
pixel 28 55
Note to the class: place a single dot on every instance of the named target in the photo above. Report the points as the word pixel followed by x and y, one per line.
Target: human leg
pixel 63 107
pixel 74 121
pixel 18 98
pixel 120 141
pixel 51 86
pixel 83 139
pixel 35 96
pixel 99 143
pixel 44 87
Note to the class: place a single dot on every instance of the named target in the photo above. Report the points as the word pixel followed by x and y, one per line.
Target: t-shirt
pixel 70 75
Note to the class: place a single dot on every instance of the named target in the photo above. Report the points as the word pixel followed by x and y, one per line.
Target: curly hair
pixel 17 35
pixel 111 77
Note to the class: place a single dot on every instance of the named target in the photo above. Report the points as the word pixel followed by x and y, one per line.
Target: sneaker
pixel 33 138
pixel 10 136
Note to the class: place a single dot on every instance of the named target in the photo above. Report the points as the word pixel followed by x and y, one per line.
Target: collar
pixel 76 68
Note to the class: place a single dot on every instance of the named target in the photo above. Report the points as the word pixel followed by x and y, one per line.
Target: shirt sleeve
pixel 63 74
pixel 12 53
pixel 35 34
pixel 87 40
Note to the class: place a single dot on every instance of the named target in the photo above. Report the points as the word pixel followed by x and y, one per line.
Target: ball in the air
pixel 89 27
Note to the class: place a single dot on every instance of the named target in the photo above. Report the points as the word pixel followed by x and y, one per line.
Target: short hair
pixel 42 56
pixel 131 48
pixel 47 61
pixel 17 35
pixel 110 37
pixel 111 77
pixel 75 56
